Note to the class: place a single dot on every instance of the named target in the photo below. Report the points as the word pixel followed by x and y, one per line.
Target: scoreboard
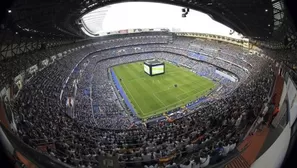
pixel 159 69
pixel 154 67
pixel 147 69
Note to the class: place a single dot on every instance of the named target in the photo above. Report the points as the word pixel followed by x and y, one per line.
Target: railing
pixel 123 94
pixel 37 158
pixel 42 160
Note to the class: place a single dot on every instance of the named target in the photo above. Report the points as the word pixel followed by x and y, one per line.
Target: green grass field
pixel 151 95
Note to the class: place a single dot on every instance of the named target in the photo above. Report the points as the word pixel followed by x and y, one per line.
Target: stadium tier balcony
pixel 83 135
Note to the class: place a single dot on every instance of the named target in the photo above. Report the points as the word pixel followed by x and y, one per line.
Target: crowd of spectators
pixel 103 92
pixel 204 136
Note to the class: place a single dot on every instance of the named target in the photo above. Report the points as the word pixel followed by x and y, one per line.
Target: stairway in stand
pixel 238 162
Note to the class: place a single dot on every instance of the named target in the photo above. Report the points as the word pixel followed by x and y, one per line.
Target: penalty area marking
pixel 158 99
pixel 175 103
pixel 191 91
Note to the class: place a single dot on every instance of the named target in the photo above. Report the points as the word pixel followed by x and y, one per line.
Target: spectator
pixel 99 121
pixel 187 164
pixel 204 160
pixel 226 148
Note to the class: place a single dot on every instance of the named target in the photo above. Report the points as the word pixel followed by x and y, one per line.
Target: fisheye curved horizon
pixel 148 84
pixel 139 15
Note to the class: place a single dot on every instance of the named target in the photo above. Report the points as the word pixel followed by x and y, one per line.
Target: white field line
pixel 175 102
pixel 182 90
pixel 192 89
pixel 132 97
pixel 144 76
pixel 158 99
pixel 180 100
pixel 172 72
pixel 177 97
pixel 170 87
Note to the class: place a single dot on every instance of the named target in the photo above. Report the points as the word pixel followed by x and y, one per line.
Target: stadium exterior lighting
pixel 9 11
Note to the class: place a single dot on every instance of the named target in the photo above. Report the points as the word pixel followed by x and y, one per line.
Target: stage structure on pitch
pixel 154 67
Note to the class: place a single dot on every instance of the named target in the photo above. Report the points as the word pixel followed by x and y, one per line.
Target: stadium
pixel 74 95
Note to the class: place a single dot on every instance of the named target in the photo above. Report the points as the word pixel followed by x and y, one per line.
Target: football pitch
pixel 152 95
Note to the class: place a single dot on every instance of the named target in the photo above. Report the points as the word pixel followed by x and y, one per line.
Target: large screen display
pixel 157 69
pixel 146 69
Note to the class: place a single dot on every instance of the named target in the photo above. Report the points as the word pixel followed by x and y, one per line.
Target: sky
pixel 156 15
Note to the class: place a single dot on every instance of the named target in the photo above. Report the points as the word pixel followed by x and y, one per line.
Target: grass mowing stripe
pixel 190 91
pixel 158 99
pixel 157 94
pixel 132 96
pixel 178 101
pixel 143 85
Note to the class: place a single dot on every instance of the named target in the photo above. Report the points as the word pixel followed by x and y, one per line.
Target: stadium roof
pixel 95 18
pixel 253 18
pixel 260 20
